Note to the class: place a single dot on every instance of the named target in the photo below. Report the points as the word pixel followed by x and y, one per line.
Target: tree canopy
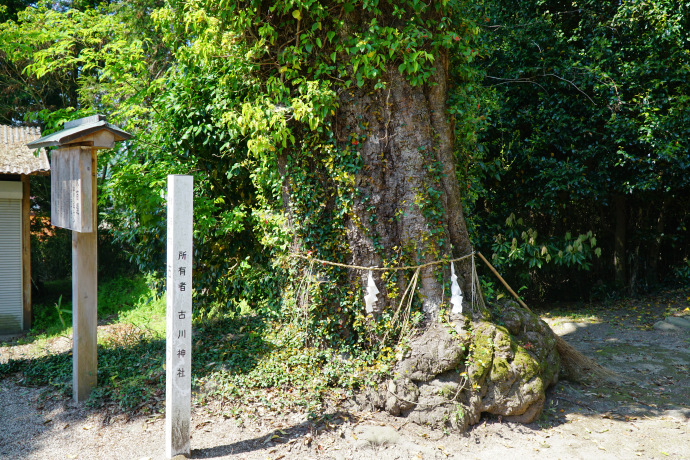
pixel 568 122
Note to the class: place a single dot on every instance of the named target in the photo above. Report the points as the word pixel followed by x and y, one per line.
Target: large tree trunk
pixel 407 208
pixel 396 202
pixel 409 200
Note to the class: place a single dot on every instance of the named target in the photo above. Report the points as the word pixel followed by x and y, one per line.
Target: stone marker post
pixel 178 380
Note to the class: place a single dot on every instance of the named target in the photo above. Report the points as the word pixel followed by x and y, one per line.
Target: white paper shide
pixel 372 290
pixel 455 292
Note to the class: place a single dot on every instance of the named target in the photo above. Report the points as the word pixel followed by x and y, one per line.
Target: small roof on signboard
pixel 15 157
pixel 76 129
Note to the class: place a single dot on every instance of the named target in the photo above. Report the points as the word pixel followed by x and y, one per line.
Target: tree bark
pixel 635 262
pixel 409 199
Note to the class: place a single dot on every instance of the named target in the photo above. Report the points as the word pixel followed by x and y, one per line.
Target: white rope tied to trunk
pixel 381 269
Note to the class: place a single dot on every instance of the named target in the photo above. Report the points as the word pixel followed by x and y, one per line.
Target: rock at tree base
pixel 449 378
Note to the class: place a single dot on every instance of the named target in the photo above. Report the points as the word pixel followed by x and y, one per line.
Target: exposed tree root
pixel 579 368
pixel 454 372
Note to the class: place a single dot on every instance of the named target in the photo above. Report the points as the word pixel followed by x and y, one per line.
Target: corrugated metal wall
pixel 11 309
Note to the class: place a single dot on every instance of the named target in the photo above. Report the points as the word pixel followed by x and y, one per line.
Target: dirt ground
pixel 647 415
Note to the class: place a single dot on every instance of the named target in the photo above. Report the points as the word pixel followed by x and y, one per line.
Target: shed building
pixel 17 164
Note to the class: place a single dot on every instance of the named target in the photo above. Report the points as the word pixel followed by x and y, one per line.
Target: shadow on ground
pixel 131 369
pixel 653 370
pixel 303 432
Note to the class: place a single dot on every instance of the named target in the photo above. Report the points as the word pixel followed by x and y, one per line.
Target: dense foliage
pixel 579 133
pixel 589 136
pixel 571 159
pixel 242 96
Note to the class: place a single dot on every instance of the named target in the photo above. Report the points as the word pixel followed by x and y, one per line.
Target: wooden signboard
pixel 73 189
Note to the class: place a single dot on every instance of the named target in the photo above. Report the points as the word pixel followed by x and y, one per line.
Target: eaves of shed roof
pixel 74 133
pixel 16 157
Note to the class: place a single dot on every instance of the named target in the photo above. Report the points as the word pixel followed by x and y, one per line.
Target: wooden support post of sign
pixel 178 380
pixel 85 292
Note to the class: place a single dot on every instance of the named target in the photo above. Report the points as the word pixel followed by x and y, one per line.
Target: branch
pixel 531 81
pixel 573 84
pixel 505 81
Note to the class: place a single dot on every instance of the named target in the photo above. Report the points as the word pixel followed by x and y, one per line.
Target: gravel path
pixel 647 416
